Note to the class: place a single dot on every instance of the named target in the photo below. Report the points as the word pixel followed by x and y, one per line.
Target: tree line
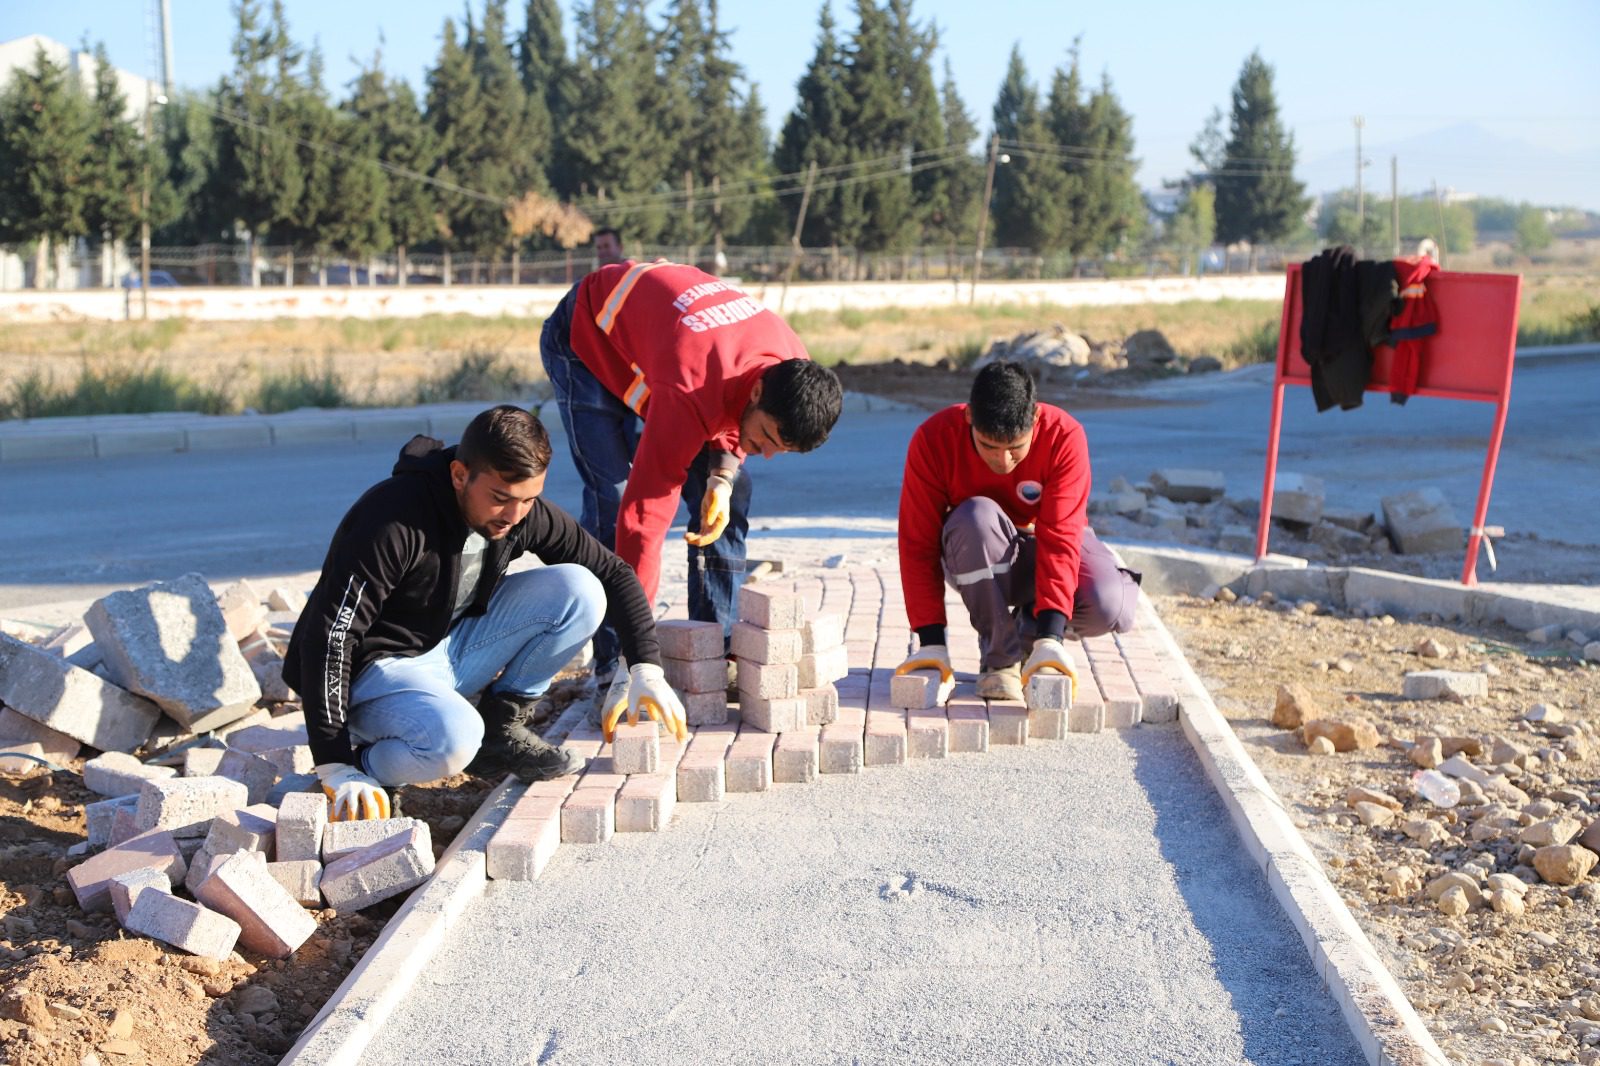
pixel 517 143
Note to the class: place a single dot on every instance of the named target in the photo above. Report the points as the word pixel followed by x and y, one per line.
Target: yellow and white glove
pixel 929 657
pixel 354 795
pixel 648 694
pixel 716 507
pixel 1050 654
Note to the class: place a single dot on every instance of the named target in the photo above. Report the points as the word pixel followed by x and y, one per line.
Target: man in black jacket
pixel 414 612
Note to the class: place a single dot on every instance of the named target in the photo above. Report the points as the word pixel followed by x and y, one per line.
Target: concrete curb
pixel 358 1008
pixel 1374 1006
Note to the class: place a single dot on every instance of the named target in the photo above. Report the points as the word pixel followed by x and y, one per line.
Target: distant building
pixel 18 54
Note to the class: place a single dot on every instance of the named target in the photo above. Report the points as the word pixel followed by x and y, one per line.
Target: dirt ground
pixel 1492 987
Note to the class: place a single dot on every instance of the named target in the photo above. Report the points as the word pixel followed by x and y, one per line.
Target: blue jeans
pixel 603 434
pixel 412 715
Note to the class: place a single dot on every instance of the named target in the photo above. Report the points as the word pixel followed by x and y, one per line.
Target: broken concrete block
pixel 1421 521
pixel 169 642
pixel 771 607
pixel 1298 498
pixel 1184 485
pixel 919 690
pixel 589 816
pixel 705 708
pixel 251 829
pixel 256 774
pixel 301 878
pixel 385 869
pixel 682 639
pixel 778 715
pixel 271 921
pixel 125 889
pixel 636 748
pixel 696 675
pixel 17 729
pixel 344 838
pixel 184 806
pixel 302 820
pixel 1340 540
pixel 259 738
pixel 202 762
pixel 290 600
pixel 796 758
pixel 819 668
pixel 765 645
pixel 266 665
pixel 768 680
pixel 100 816
pixel 822 704
pixel 821 632
pixel 117 774
pixel 1455 685
pixel 241 609
pixel 969 725
pixel 1357 521
pixel 186 926
pixel 91 879
pixel 70 700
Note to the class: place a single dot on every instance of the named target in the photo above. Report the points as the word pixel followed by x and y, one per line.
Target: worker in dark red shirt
pixel 993 502
pixel 666 378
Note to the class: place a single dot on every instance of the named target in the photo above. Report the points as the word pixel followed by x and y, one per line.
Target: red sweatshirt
pixel 685 351
pixel 1049 490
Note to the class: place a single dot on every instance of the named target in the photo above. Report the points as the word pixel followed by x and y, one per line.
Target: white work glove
pixel 715 509
pixel 1050 654
pixel 648 693
pixel 929 657
pixel 354 795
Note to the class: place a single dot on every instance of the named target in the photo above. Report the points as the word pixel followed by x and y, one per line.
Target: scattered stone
pixel 1453 903
pixel 1427 752
pixel 1320 746
pixel 1425 831
pixel 1345 734
pixel 1455 879
pixel 1402 881
pixel 1356 521
pixel 1428 648
pixel 1591 651
pixel 1564 864
pixel 1492 784
pixel 1507 903
pixel 1545 714
pixel 286 599
pixel 1183 485
pixel 1454 685
pixel 1374 814
pixel 1294 707
pixel 70 700
pixel 1421 521
pixel 1357 794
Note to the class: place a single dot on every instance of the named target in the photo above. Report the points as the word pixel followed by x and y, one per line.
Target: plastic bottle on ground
pixel 1436 788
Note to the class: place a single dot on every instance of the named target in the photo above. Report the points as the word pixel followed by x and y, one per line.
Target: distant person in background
pixel 607 247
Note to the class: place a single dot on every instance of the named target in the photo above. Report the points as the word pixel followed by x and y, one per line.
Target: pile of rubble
pixel 1058 353
pixel 1192 507
pixel 224 804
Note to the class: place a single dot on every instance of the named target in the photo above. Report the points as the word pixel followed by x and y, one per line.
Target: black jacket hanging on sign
pixel 1345 307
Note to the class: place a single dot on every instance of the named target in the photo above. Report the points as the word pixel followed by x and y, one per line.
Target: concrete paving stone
pixel 821 632
pixel 842 749
pixel 683 639
pixel 589 816
pixel 1298 498
pixel 749 762
pixel 271 920
pixel 1187 485
pixel 768 680
pixel 796 758
pixel 522 847
pixel 1088 711
pixel 1455 685
pixel 116 773
pixel 644 804
pixel 169 642
pixel 885 737
pixel 636 748
pixel 765 645
pixel 283 598
pixel 19 759
pixel 701 775
pixel 292 784
pixel 125 889
pixel 969 724
pixel 823 667
pixel 98 817
pixel 822 704
pixel 184 806
pixel 1421 521
pixel 301 878
pixel 256 774
pixel 705 708
pixel 18 728
pixel 242 610
pixel 919 690
pixel 771 607
pixel 374 874
pixel 259 716
pixel 302 820
pixel 252 829
pixel 71 700
pixel 267 737
pixel 201 863
pixel 927 734
pixel 125 824
pixel 90 880
pixel 202 762
pixel 184 925
pixel 343 838
pixel 1008 723
pixel 1047 723
pixel 778 715
pixel 696 675
pixel 291 760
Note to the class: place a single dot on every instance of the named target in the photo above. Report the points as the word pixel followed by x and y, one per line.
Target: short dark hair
pixel 804 398
pixel 508 440
pixel 611 230
pixel 1002 400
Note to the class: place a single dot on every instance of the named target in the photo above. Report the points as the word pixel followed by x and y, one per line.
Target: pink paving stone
pixel 344 838
pixel 271 921
pixel 1008 723
pixel 201 864
pixel 644 805
pixel 302 819
pixel 202 762
pixel 256 774
pixel 252 829
pixel 701 775
pixel 522 847
pixel 841 750
pixel 373 874
pixel 969 724
pixel 927 734
pixel 823 667
pixel 773 715
pixel 796 757
pixel 125 824
pixel 918 690
pixel 186 805
pixel 771 607
pixel 885 738
pixel 259 738
pixel 706 708
pixel 636 748
pixel 768 680
pixel 18 762
pixel 301 878
pixel 186 926
pixel 116 773
pixel 822 704
pixel 91 879
pixel 765 645
pixel 125 888
pixel 292 760
pixel 682 639
pixel 99 817
pixel 1124 706
pixel 589 816
pixel 18 729
pixel 748 767
pixel 696 675
pixel 1049 703
pixel 822 631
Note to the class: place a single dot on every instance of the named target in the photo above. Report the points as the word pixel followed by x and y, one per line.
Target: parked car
pixel 159 279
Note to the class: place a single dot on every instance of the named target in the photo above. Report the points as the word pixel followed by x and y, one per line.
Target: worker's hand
pixel 929 657
pixel 715 509
pixel 354 795
pixel 649 693
pixel 1050 654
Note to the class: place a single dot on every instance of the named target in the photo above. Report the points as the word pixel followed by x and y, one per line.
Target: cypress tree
pixel 309 221
pixel 911 49
pixel 508 161
pixel 1112 207
pixel 546 73
pixel 456 114
pixel 1066 120
pixel 953 214
pixel 817 130
pixel 1031 205
pixel 401 139
pixel 358 215
pixel 195 209
pixel 876 213
pixel 1257 197
pixel 46 127
pixel 116 159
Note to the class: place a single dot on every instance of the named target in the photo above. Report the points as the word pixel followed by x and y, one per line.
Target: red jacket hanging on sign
pixel 1418 320
pixel 684 350
pixel 1048 491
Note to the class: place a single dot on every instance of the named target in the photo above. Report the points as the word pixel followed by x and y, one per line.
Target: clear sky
pixel 1526 76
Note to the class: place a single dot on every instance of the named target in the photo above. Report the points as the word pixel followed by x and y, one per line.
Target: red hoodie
pixel 685 351
pixel 1049 490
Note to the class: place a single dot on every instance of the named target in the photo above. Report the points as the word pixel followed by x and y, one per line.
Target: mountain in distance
pixel 1467 159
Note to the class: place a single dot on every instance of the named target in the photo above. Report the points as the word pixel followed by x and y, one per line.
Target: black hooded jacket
pixel 388 586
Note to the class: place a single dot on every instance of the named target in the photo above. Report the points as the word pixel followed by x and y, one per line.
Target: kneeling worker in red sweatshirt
pixel 993 502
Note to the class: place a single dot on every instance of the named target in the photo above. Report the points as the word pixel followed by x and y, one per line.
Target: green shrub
pixel 476 375
pixel 301 386
pixel 112 390
pixel 966 351
pixel 1258 345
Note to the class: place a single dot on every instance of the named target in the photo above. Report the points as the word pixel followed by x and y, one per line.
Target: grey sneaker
pixel 1004 684
pixel 510 747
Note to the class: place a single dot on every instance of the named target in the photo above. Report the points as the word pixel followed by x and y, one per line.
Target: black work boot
pixel 510 747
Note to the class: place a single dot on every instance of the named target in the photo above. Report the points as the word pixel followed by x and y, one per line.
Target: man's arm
pixel 1059 530
pixel 924 503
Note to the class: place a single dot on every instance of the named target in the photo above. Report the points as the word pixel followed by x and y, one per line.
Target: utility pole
pixel 166 48
pixel 1394 202
pixel 144 209
pixel 1361 203
pixel 983 215
pixel 799 224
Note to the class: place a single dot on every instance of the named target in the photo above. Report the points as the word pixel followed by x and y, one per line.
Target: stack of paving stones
pixel 219 837
pixel 816 695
